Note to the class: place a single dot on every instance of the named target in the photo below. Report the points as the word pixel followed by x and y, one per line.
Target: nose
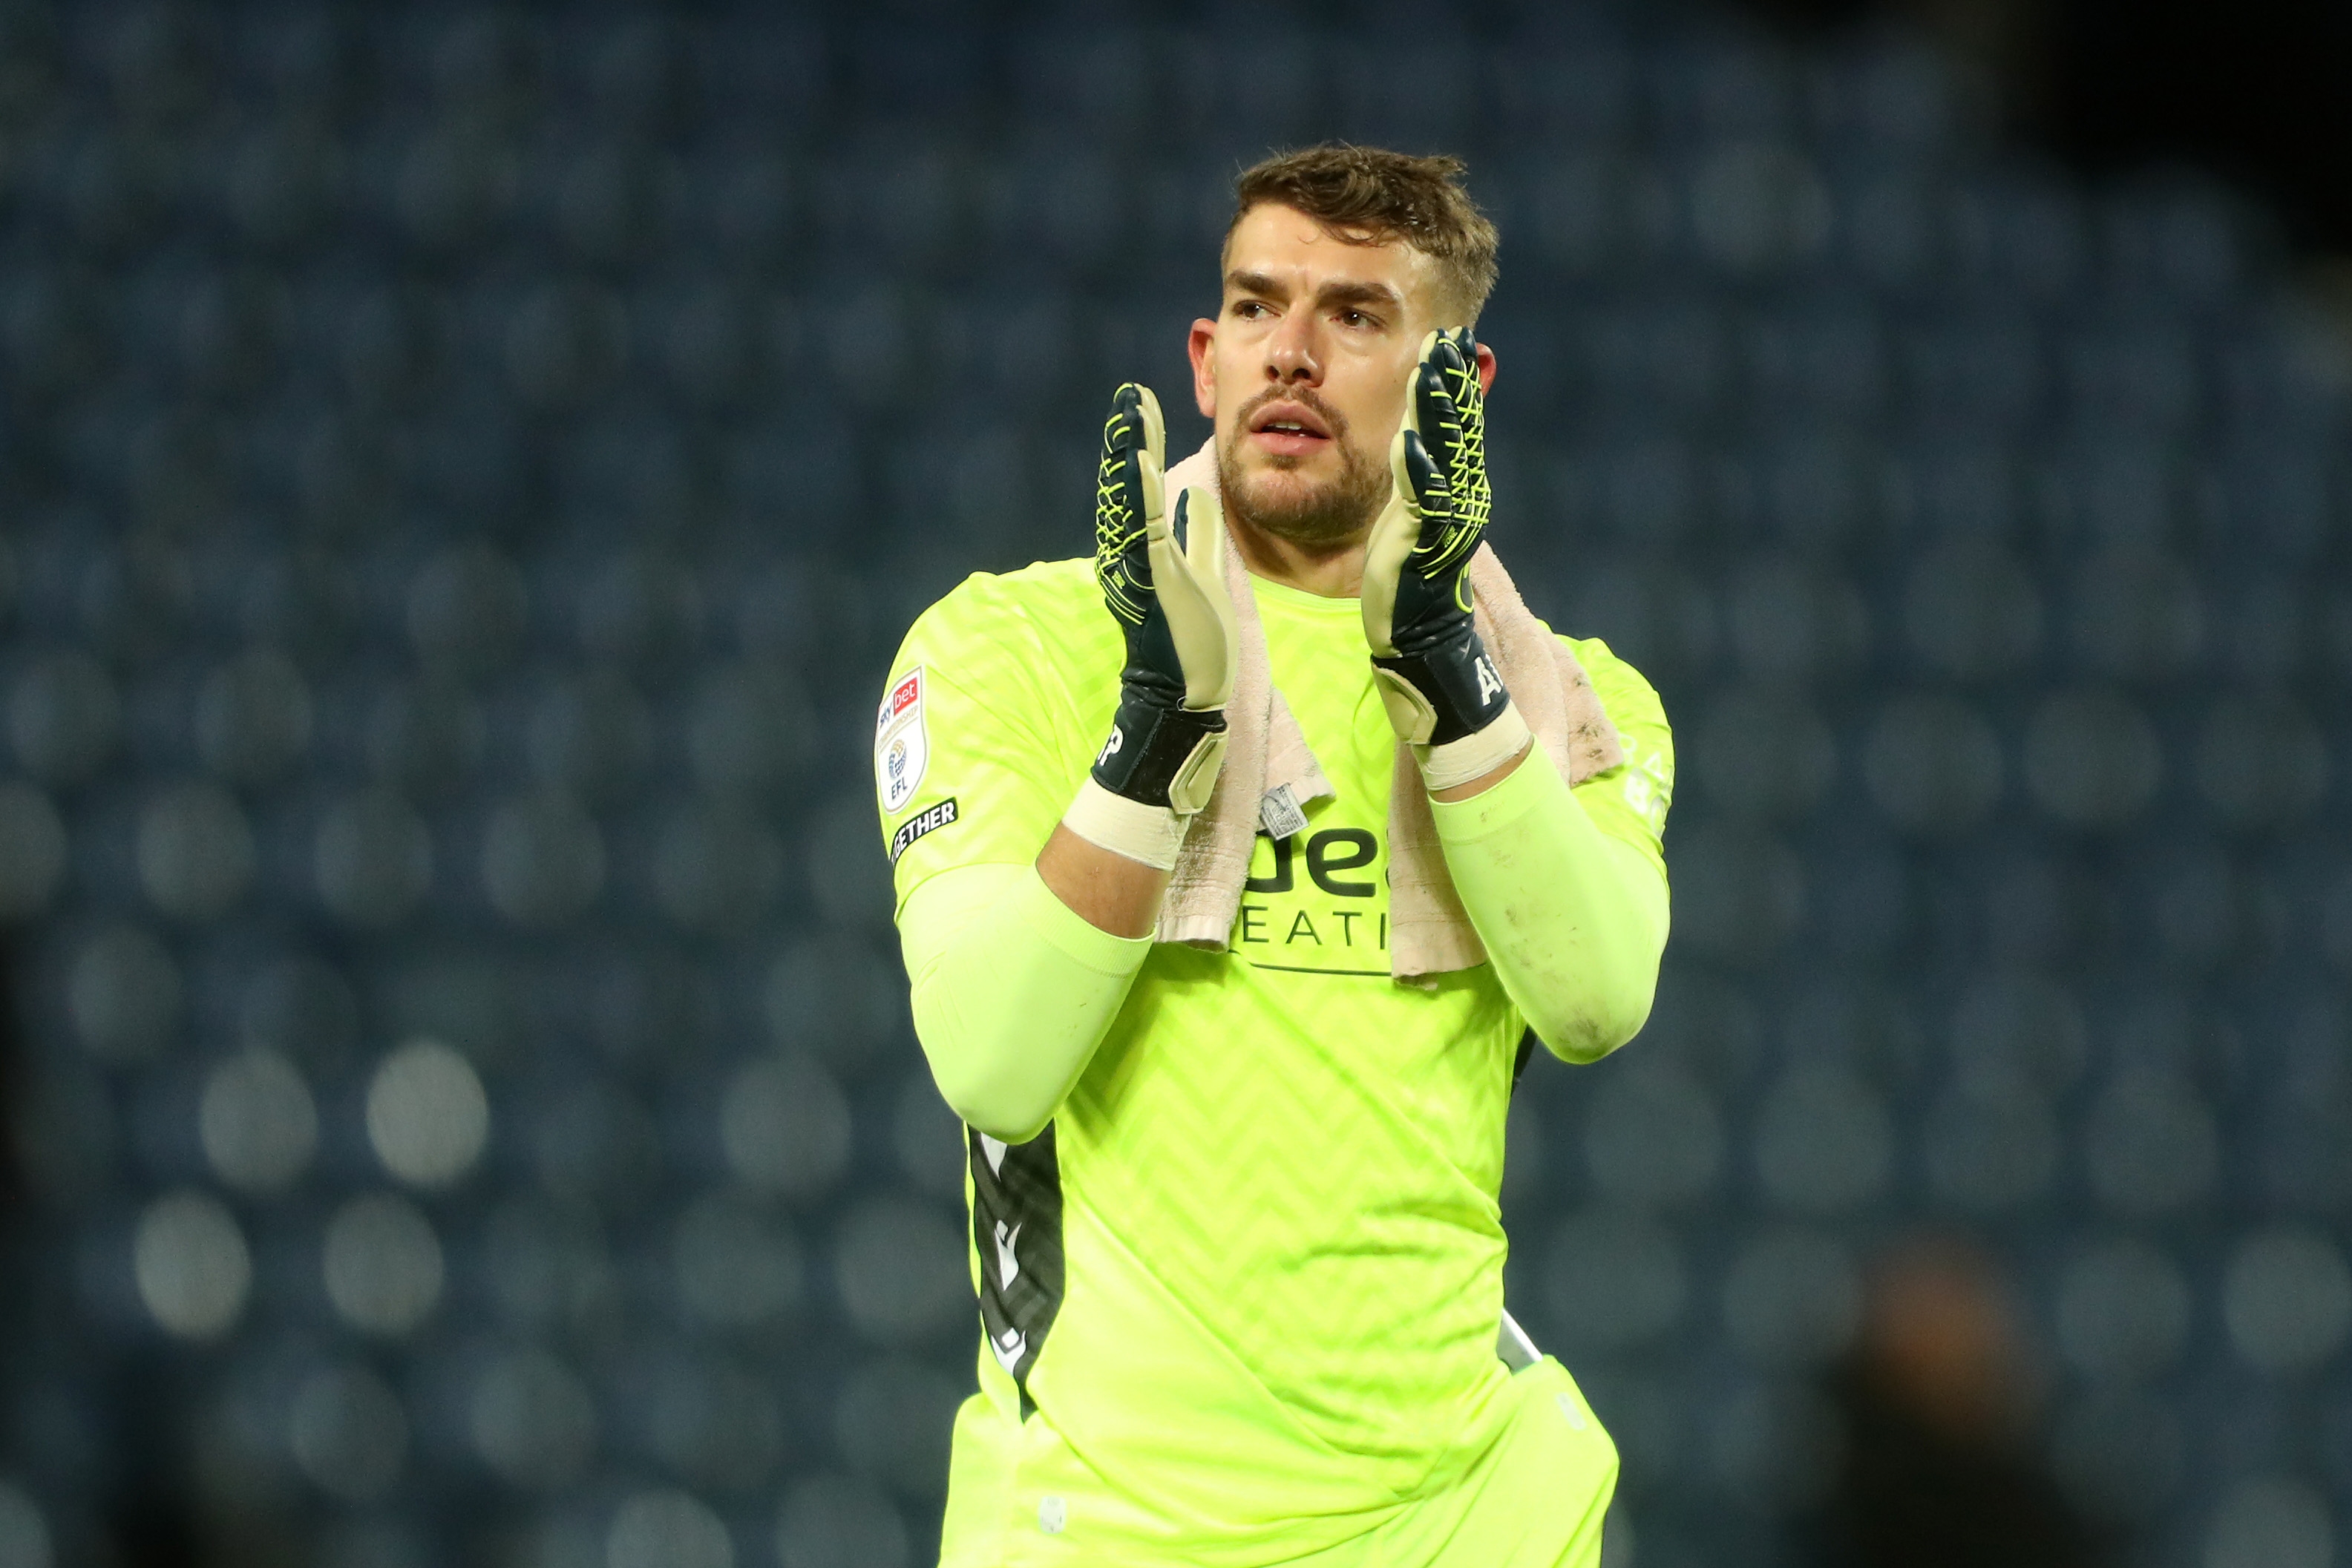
pixel 1292 356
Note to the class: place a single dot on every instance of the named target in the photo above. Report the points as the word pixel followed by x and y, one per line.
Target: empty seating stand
pixel 463 475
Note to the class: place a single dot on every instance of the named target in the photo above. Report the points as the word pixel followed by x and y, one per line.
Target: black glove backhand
pixel 1435 677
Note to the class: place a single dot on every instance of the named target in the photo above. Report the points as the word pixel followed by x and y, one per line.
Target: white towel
pixel 1429 932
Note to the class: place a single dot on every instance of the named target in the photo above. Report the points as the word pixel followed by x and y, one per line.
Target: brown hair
pixel 1368 196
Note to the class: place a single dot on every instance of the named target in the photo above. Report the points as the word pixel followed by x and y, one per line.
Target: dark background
pixel 2253 91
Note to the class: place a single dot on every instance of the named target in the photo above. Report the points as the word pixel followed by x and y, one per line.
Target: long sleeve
pixel 1574 918
pixel 1012 992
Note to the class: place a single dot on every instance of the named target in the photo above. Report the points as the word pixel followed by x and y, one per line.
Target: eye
pixel 1249 310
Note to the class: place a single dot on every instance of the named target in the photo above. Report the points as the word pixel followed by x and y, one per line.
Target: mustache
pixel 1304 397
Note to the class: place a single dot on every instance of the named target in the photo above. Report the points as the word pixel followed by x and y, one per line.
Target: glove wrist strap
pixel 1151 834
pixel 1443 694
pixel 1163 757
pixel 1473 756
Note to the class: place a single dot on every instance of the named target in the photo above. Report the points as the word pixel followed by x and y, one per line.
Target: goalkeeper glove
pixel 1162 575
pixel 1442 693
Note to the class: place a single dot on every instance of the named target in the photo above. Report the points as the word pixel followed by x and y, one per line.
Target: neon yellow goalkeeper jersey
pixel 1248 1280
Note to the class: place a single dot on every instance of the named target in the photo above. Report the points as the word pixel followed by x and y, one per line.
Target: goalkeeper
pixel 1234 1191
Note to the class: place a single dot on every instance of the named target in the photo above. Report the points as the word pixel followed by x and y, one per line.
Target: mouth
pixel 1289 430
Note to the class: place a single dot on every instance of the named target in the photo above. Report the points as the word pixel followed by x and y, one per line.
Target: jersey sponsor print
pixel 1317 901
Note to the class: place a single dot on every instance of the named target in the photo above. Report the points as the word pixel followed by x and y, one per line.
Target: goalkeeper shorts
pixel 1533 1499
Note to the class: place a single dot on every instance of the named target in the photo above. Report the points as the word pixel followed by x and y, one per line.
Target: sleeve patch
pixel 901 749
pixel 913 828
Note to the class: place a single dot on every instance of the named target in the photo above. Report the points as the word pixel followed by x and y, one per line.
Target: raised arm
pixel 1163 577
pixel 1573 917
pixel 1019 970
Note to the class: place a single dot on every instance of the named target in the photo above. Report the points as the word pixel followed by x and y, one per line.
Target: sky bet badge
pixel 900 751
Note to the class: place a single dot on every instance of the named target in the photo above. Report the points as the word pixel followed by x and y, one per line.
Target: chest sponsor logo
pixel 931 820
pixel 1316 902
pixel 901 749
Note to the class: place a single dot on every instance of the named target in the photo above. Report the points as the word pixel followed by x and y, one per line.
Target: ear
pixel 1203 347
pixel 1485 370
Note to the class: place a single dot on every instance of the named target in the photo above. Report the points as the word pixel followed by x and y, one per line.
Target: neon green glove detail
pixel 1162 575
pixel 1441 691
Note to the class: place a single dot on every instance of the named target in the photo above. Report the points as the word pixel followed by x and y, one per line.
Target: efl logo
pixel 901 749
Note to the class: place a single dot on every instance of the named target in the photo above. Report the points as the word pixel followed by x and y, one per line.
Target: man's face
pixel 1304 371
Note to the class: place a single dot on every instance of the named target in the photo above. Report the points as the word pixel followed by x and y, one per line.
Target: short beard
pixel 1323 521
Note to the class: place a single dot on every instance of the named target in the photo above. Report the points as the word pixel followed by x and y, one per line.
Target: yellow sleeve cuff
pixel 1532 786
pixel 1037 906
